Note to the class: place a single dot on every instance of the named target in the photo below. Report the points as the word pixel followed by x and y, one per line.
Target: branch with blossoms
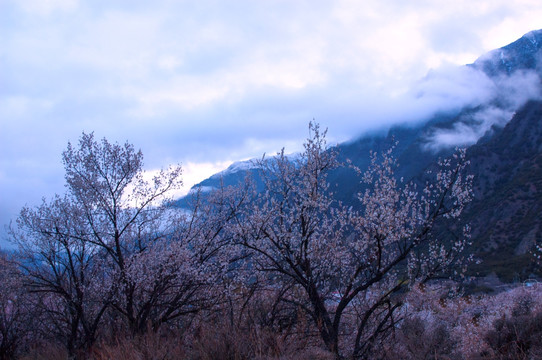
pixel 344 266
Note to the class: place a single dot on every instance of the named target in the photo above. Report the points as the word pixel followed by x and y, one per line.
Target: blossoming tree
pixel 345 267
pixel 116 245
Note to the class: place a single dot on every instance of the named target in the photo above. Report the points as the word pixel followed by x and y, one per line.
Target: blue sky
pixel 204 83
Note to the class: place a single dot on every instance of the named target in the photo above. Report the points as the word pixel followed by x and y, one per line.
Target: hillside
pixel 505 214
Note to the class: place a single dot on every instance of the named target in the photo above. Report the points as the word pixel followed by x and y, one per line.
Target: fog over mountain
pixel 494 109
pixel 456 106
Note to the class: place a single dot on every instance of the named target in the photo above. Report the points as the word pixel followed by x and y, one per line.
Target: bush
pixel 518 336
pixel 421 339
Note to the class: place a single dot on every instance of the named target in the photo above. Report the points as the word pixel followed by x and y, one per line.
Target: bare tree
pixel 344 267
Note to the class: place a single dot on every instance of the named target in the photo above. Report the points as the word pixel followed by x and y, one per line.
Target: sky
pixel 205 83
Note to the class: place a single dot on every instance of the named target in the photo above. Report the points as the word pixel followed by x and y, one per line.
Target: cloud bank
pixel 211 82
pixel 499 99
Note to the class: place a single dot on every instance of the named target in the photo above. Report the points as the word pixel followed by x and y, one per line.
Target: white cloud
pixel 18 106
pixel 509 92
pixel 46 7
pixel 194 173
pixel 210 81
pixel 469 132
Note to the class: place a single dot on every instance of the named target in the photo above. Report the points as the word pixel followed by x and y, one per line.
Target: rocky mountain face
pixel 506 158
pixel 506 214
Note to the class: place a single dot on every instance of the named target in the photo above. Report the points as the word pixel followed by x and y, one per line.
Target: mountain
pixel 505 215
pixel 504 139
pixel 522 54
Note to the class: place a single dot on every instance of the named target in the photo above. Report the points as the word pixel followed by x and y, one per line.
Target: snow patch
pixel 236 167
pixel 252 164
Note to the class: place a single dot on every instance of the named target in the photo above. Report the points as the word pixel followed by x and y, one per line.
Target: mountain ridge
pixel 504 149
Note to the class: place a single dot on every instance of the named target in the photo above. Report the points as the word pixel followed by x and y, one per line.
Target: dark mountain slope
pixel 506 214
pixel 409 150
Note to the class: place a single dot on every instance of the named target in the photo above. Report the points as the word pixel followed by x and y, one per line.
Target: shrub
pixel 518 336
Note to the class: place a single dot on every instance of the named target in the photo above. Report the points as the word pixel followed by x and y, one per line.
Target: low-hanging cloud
pixel 469 131
pixel 501 96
